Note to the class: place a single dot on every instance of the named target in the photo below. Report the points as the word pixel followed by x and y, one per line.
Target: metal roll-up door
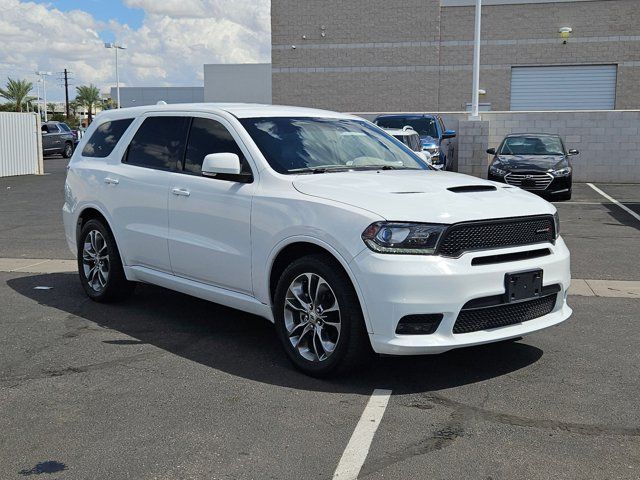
pixel 570 87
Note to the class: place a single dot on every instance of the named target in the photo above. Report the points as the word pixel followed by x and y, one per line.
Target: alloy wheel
pixel 312 317
pixel 95 260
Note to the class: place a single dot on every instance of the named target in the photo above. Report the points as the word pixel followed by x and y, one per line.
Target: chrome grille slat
pixel 541 180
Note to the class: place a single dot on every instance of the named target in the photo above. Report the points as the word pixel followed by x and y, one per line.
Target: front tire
pixel 99 264
pixel 318 317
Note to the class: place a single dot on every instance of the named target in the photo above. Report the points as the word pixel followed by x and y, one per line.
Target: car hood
pixel 423 196
pixel 428 141
pixel 540 163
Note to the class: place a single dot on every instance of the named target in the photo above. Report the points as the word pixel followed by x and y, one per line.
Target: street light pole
pixel 116 47
pixel 43 76
pixel 38 99
pixel 475 98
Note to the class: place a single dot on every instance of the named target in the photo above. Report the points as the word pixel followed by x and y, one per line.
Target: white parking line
pixel 611 199
pixel 358 447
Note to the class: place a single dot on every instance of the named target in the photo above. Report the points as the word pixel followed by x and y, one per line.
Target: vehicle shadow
pixel 246 346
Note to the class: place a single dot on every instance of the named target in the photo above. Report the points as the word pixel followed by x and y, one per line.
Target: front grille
pixel 486 234
pixel 477 319
pixel 540 180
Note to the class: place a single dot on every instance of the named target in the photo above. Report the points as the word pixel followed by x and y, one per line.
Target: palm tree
pixel 16 92
pixel 88 97
pixel 51 107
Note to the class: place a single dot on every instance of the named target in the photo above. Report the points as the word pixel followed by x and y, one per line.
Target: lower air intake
pixel 474 320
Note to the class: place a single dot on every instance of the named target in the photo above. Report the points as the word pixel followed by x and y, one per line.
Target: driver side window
pixel 209 136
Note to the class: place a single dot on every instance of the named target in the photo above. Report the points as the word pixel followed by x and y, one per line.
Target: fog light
pixel 423 324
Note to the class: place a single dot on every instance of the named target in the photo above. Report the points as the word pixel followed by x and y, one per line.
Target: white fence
pixel 20 144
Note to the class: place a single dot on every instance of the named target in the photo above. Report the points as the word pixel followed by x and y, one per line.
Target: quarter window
pixel 105 138
pixel 159 143
pixel 209 136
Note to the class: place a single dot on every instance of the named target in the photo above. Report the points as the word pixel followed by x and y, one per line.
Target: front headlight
pixel 563 172
pixel 556 223
pixel 403 238
pixel 497 170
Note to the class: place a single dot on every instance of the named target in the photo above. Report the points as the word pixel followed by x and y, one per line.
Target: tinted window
pixel 159 143
pixel 64 127
pixel 52 128
pixel 425 126
pixel 208 136
pixel 105 138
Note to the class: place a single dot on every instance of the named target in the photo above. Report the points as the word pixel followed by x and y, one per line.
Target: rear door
pixel 210 218
pixel 51 138
pixel 141 184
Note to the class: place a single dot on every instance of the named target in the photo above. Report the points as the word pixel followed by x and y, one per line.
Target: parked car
pixel 411 139
pixel 319 222
pixel 536 162
pixel 436 139
pixel 57 138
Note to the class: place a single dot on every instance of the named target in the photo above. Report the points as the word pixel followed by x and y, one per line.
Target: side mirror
pixel 221 164
pixel 573 152
pixel 449 134
pixel 491 151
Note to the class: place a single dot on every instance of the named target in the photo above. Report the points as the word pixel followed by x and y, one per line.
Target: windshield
pixel 426 127
pixel 531 145
pixel 299 145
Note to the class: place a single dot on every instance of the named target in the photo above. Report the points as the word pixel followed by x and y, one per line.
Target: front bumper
pixel 394 286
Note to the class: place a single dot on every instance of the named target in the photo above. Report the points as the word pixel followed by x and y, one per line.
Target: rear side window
pixel 159 143
pixel 105 138
pixel 209 136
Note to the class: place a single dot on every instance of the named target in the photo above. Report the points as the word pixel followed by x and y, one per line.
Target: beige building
pixel 382 55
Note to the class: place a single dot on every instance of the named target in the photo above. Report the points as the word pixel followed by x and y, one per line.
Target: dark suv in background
pixel 57 138
pixel 434 136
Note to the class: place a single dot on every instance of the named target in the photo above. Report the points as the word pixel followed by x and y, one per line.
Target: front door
pixel 210 218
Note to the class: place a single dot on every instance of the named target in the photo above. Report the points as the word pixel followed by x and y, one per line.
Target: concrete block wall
pixel 364 55
pixel 608 141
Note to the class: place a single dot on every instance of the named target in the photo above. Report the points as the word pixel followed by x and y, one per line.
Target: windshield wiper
pixel 321 169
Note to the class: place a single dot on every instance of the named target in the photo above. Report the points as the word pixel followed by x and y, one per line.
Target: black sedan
pixel 535 162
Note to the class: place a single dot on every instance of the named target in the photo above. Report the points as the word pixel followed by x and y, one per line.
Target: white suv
pixel 318 221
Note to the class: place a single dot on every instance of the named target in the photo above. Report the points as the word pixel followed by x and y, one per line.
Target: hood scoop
pixel 472 188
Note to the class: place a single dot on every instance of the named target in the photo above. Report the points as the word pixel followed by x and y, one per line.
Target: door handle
pixel 111 181
pixel 182 192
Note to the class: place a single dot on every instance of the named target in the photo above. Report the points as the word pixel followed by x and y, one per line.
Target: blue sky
pixel 168 41
pixel 104 10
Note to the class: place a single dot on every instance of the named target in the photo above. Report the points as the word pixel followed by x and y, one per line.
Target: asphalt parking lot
pixel 166 386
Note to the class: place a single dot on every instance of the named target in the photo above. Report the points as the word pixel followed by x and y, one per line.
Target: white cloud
pixel 176 38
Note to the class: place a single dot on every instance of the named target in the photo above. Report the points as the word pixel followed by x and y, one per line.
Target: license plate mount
pixel 524 285
pixel 528 183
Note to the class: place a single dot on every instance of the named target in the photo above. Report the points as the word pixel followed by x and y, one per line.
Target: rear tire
pixel 99 264
pixel 67 151
pixel 318 317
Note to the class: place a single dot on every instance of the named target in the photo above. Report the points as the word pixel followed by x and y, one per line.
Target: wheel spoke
pixel 327 345
pixel 102 278
pixel 315 345
pixel 298 298
pixel 316 295
pixel 307 329
pixel 293 307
